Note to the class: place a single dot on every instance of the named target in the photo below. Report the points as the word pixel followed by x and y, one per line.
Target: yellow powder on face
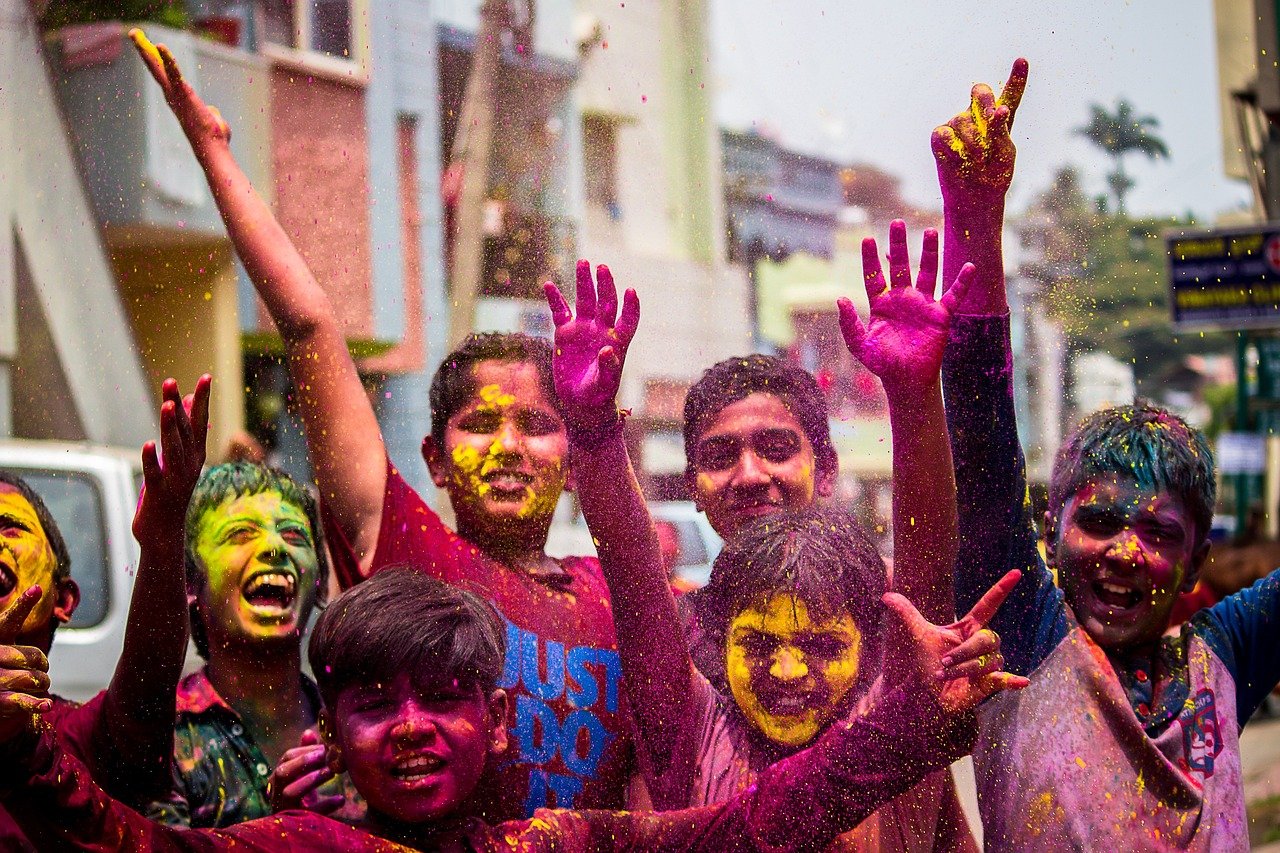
pixel 493 395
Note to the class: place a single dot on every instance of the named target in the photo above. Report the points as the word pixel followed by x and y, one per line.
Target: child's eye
pixel 823 646
pixel 295 536
pixel 482 423
pixel 242 534
pixel 534 422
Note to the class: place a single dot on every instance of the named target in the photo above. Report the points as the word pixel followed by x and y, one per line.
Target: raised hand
pixel 904 340
pixel 296 781
pixel 591 347
pixel 170 476
pixel 202 123
pixel 974 151
pixel 24 670
pixel 961 662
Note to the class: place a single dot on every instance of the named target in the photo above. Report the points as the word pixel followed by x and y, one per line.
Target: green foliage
pixel 63 13
pixel 1120 133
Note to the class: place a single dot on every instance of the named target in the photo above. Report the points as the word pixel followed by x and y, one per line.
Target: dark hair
pixel 402 620
pixel 819 553
pixel 61 556
pixel 737 378
pixel 233 480
pixel 1143 441
pixel 454 382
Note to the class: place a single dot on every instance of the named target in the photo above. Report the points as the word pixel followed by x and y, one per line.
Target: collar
pixel 196 695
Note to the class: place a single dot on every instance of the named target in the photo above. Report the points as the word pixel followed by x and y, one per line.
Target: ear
pixel 691 483
pixel 1198 557
pixel 332 752
pixel 498 722
pixel 824 480
pixel 433 455
pixel 68 598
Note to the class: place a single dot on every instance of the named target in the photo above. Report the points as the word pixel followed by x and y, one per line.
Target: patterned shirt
pixel 220 773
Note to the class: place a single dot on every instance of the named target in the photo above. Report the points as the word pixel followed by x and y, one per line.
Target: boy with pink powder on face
pixel 1127 738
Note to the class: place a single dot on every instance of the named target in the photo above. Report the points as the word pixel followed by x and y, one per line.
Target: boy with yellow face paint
pixel 124 735
pixel 794 604
pixel 497 446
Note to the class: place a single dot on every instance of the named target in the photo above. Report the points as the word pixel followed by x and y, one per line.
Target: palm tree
pixel 1118 134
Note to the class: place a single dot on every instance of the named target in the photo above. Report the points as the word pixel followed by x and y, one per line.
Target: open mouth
pixel 1115 595
pixel 754 508
pixel 416 768
pixel 8 580
pixel 784 704
pixel 509 482
pixel 271 593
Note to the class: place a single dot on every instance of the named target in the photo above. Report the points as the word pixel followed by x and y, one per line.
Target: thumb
pixel 310 738
pixel 851 327
pixel 904 626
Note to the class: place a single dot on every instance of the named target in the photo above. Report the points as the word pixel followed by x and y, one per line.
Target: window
pixel 319 26
pixel 76 505
pixel 600 161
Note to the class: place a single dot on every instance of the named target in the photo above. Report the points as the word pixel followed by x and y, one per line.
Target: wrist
pixel 911 395
pixel 595 429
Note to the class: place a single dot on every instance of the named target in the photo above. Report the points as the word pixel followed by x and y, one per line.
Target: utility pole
pixel 472 151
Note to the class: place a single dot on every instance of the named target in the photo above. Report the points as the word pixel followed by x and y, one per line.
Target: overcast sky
pixel 861 81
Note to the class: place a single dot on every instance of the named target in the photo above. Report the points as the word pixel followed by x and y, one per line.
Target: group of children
pixel 473 693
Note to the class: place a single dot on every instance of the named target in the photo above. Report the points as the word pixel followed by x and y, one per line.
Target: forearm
pixel 656 666
pixel 140 702
pixel 924 502
pixel 973 233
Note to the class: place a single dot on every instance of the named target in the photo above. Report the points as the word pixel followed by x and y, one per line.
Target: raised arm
pixel 657 669
pixel 903 345
pixel 343 436
pixel 139 706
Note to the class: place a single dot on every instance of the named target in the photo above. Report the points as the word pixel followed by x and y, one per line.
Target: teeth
pixel 413 769
pixel 273 579
pixel 1118 590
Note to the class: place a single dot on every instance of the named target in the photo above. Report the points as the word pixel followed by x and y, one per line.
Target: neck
pixel 519 546
pixel 261 686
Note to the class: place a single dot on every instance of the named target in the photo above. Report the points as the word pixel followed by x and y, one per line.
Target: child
pixel 792 607
pixel 124 734
pixel 409 666
pixel 498 446
pixel 1127 739
pixel 254 570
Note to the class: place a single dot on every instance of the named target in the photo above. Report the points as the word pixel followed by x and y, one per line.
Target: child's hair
pixel 818 553
pixel 402 620
pixel 1143 441
pixel 454 383
pixel 61 556
pixel 737 378
pixel 233 480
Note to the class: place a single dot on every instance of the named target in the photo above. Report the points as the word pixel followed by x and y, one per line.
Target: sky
pixel 867 82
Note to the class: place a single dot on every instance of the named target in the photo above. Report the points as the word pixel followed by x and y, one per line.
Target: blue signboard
pixel 1225 278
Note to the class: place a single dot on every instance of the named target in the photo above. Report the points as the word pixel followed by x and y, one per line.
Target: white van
pixel 92 492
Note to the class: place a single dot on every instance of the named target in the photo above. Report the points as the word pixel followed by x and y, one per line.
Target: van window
pixel 76 504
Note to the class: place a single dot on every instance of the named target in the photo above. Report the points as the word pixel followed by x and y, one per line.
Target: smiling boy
pixel 1127 738
pixel 409 668
pixel 497 446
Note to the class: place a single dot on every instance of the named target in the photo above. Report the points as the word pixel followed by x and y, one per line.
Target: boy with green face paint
pixel 253 572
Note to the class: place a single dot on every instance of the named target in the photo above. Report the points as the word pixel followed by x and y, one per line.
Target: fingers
pixel 199 414
pixel 629 321
pixel 987 606
pixel 151 478
pixel 560 313
pixel 23 658
pixel 585 304
pixel 899 258
pixel 959 289
pixel 16 614
pixel 609 368
pixel 18 704
pixel 1011 94
pixel 982 101
pixel 855 334
pixel 171 69
pixel 180 415
pixel 927 275
pixel 948 148
pixel 606 296
pixel 172 451
pixel 975 667
pixel 34 682
pixel 326 805
pixel 983 643
pixel 872 274
pixel 150 57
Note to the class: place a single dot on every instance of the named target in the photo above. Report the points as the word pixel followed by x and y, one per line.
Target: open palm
pixel 904 339
pixel 591 346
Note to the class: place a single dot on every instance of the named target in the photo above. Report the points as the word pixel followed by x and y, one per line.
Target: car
pixel 694 546
pixel 92 492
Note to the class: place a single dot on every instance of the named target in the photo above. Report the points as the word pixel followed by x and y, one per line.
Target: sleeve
pixel 175 809
pixel 1244 632
pixel 134 766
pixel 410 533
pixel 803 802
pixel 997 531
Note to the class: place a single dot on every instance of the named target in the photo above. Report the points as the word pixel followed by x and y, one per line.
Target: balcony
pixel 146 186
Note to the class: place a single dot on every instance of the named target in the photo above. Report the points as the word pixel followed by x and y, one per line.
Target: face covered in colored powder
pixel 754 459
pixel 259 557
pixel 417 751
pixel 503 462
pixel 26 558
pixel 1123 554
pixel 788 673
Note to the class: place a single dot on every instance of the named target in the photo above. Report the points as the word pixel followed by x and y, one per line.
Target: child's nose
pixel 788 666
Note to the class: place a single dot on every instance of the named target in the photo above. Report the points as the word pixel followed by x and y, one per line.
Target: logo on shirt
pixel 560 694
pixel 1201 738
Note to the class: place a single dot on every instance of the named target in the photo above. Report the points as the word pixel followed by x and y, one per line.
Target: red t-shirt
pixel 569 727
